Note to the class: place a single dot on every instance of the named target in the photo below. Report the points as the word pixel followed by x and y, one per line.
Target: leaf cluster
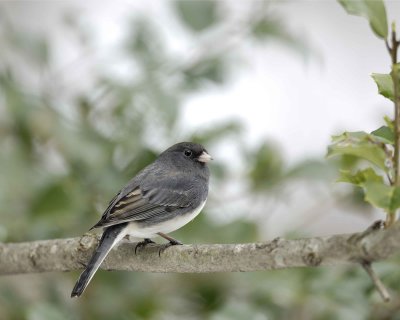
pixel 376 149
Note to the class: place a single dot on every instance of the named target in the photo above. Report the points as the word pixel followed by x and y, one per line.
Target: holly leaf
pixel 360 177
pixel 385 134
pixel 356 135
pixel 373 10
pixel 385 84
pixel 359 144
pixel 376 192
pixel 382 196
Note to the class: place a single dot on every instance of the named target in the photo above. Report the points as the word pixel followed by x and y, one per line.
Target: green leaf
pixel 361 145
pixel 385 84
pixel 356 135
pixel 382 196
pixel 368 152
pixel 373 10
pixel 197 14
pixel 360 177
pixel 385 134
pixel 376 192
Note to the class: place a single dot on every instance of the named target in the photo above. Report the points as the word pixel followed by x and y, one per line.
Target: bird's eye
pixel 187 153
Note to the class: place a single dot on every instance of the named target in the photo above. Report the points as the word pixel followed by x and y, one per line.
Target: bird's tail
pixel 110 237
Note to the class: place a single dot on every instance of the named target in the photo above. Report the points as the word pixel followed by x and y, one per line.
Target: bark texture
pixel 374 244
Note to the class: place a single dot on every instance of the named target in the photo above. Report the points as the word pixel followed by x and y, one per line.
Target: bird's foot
pixel 165 246
pixel 143 243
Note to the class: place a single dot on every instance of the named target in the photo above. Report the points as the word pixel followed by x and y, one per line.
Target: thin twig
pixel 380 287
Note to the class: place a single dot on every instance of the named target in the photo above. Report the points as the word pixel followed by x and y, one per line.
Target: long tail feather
pixel 111 236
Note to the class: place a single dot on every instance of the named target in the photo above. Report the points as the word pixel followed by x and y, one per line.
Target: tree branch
pixel 380 287
pixel 371 245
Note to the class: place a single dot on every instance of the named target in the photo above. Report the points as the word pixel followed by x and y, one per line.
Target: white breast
pixel 135 230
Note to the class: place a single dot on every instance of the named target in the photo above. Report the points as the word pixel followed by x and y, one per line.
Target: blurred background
pixel 90 92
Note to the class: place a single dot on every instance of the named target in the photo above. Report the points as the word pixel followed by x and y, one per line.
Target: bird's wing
pixel 145 203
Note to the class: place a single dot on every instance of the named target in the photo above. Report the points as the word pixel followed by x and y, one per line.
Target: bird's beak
pixel 204 157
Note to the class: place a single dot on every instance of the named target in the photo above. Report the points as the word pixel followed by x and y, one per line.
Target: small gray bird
pixel 163 197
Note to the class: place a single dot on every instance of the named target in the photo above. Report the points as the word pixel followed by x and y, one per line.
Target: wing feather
pixel 139 205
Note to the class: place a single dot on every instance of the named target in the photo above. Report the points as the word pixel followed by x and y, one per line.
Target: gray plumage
pixel 162 197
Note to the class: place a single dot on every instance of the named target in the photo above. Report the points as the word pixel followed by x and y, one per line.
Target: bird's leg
pixel 143 243
pixel 172 242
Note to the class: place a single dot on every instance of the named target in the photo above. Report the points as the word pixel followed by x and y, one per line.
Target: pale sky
pixel 301 104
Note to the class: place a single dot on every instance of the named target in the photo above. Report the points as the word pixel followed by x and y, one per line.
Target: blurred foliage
pixel 196 14
pixel 68 148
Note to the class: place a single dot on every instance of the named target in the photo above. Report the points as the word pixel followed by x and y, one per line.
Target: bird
pixel 163 197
